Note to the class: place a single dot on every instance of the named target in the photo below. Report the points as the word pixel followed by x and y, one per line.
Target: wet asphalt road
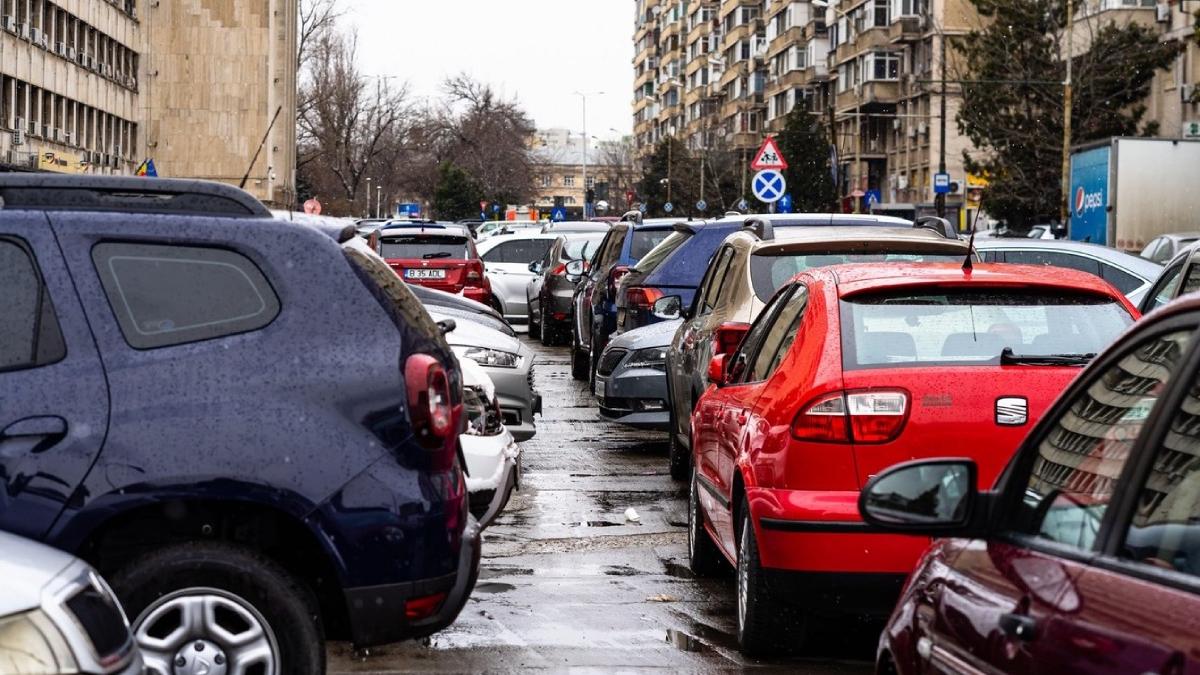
pixel 568 583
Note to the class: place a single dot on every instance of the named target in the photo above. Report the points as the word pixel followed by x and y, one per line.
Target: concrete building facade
pixel 559 173
pixel 96 86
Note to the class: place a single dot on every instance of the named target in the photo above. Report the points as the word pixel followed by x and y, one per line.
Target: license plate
pixel 424 274
pixel 599 388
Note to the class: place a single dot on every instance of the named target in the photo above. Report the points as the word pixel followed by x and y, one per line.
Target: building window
pixel 907 8
pixel 568 181
pixel 547 180
pixel 591 182
pixel 881 66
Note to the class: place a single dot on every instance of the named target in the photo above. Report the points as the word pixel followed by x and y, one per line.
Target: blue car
pixel 595 308
pixel 248 426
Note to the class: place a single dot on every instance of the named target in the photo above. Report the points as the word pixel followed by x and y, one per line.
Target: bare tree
pixel 316 17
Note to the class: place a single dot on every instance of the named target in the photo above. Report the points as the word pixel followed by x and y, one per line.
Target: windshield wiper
pixel 439 254
pixel 1008 357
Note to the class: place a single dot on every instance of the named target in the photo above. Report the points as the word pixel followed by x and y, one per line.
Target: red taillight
pixel 474 273
pixel 560 271
pixel 616 275
pixel 423 607
pixel 728 337
pixel 640 297
pixel 857 416
pixel 429 403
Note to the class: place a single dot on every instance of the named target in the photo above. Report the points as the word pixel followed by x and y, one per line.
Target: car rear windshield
pixel 769 271
pixel 650 261
pixel 972 327
pixel 424 246
pixel 644 240
pixel 581 248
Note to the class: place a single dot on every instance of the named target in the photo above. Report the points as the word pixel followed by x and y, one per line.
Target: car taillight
pixel 855 416
pixel 728 337
pixel 560 271
pixel 423 607
pixel 429 404
pixel 474 272
pixel 640 297
pixel 615 276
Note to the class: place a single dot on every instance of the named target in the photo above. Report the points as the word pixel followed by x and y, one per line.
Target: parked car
pixel 459 307
pixel 507 260
pixel 1129 273
pixel 895 360
pixel 509 364
pixel 491 453
pixel 492 228
pixel 58 616
pixel 1084 556
pixel 1179 277
pixel 631 379
pixel 744 275
pixel 594 303
pixel 217 408
pixel 552 289
pixel 568 226
pixel 440 256
pixel 1165 247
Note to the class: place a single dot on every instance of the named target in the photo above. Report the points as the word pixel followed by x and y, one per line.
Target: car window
pixel 739 369
pixel 651 261
pixel 717 280
pixel 29 332
pixel 1124 281
pixel 520 251
pixel 166 295
pixel 423 246
pixel 1191 280
pixel 609 252
pixel 584 247
pixel 645 240
pixel 770 270
pixel 1078 461
pixel 1154 250
pixel 935 326
pixel 778 340
pixel 1164 289
pixel 1054 259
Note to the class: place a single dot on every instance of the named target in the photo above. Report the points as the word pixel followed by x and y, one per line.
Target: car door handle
pixel 1019 626
pixel 50 429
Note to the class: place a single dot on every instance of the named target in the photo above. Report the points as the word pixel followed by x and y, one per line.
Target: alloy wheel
pixel 205 631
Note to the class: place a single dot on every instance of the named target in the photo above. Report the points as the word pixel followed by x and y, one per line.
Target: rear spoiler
pixel 684 227
pixel 936 224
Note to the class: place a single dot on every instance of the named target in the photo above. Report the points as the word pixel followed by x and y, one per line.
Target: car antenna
pixel 968 264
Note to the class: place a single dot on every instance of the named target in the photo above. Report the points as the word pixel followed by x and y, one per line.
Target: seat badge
pixel 1012 411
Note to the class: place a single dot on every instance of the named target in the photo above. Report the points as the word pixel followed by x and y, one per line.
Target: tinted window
pixel 1054 259
pixel 770 271
pixel 644 240
pixel 658 254
pixel 1124 281
pixel 972 327
pixel 29 331
pixel 423 246
pixel 1078 462
pixel 168 295
pixel 713 291
pixel 520 251
pixel 779 338
pixel 610 251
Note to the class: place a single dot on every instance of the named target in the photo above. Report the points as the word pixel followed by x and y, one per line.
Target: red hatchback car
pixel 849 370
pixel 1085 555
pixel 439 256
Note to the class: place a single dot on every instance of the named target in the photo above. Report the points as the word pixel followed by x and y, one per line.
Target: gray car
pixel 58 616
pixel 507 258
pixel 552 289
pixel 631 379
pixel 508 361
pixel 1132 275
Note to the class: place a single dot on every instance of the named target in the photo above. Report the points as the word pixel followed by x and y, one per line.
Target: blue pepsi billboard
pixel 1088 198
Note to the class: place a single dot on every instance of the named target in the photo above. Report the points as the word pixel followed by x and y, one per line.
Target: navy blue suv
pixel 248 425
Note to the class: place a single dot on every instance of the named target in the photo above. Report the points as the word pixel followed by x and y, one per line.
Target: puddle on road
pixel 674 569
pixel 494 587
pixel 594 523
pixel 622 571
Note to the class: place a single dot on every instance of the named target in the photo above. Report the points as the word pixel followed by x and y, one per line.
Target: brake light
pixel 423 607
pixel 429 404
pixel 560 271
pixel 616 275
pixel 728 337
pixel 640 297
pixel 474 272
pixel 858 416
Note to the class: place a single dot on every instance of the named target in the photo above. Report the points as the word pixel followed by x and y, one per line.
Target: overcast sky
pixel 537 51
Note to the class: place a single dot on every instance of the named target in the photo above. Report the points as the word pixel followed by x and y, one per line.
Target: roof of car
pixel 1181 235
pixel 492 242
pixel 1147 269
pixel 793 235
pixel 859 277
pixel 840 219
pixel 444 229
pixel 127 194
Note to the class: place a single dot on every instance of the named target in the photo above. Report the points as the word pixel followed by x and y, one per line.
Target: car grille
pixel 609 361
pixel 101 620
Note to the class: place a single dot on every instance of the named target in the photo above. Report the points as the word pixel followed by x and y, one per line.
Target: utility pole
pixel 1064 206
pixel 583 96
pixel 670 154
pixel 940 199
pixel 379 200
pixel 368 197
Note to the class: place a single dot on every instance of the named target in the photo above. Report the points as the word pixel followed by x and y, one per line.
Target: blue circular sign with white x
pixel 769 186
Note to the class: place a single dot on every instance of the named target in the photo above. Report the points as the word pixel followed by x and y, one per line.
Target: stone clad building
pixel 96 86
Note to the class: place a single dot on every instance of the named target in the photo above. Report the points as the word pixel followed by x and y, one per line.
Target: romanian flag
pixel 146 168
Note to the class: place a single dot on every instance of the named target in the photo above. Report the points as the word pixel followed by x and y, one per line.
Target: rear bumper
pixel 634 397
pixel 481 295
pixel 821 532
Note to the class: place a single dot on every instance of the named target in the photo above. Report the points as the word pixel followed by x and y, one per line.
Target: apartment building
pixel 96 86
pixel 730 71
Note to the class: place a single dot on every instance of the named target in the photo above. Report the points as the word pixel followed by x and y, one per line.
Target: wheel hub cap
pixel 201 658
pixel 205 631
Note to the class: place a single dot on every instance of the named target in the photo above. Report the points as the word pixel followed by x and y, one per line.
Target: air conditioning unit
pixel 43 42
pixel 18 136
pixel 108 71
pixel 23 31
pixel 896 123
pixel 922 128
pixel 71 53
pixel 35 35
pixel 9 23
pixel 60 48
pixel 1162 12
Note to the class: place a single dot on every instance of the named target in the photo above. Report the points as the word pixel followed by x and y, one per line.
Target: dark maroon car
pixel 1085 555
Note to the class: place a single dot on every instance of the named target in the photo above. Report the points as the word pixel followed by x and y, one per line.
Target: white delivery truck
pixel 1127 191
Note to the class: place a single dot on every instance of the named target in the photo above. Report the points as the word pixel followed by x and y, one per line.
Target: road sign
pixel 312 207
pixel 701 205
pixel 743 205
pixel 495 208
pixel 872 198
pixel 668 207
pixel 558 214
pixel 642 207
pixel 1191 129
pixel 941 183
pixel 784 205
pixel 768 157
pixel 769 186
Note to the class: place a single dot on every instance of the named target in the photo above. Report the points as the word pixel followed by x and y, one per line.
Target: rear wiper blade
pixel 439 254
pixel 1007 356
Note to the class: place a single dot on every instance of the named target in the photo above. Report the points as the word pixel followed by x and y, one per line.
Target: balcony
pixel 868 95
pixel 789 38
pixel 671 29
pixel 905 29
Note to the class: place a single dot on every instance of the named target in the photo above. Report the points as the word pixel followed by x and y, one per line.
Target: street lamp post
pixel 378 200
pixel 583 96
pixel 1064 208
pixel 368 197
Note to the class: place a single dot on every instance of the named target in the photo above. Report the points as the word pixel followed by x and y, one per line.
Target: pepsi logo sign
pixel 1086 201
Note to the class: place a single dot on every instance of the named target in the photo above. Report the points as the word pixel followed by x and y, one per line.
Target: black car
pixel 249 426
pixel 551 293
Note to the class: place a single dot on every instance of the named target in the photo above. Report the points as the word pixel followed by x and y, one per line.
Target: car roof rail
pixel 633 216
pixel 733 214
pixel 936 224
pixel 127 194
pixel 761 227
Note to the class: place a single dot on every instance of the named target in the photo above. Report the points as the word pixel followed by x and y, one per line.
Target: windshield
pixel 769 272
pixel 973 327
pixel 423 247
pixel 659 253
pixel 581 248
pixel 644 240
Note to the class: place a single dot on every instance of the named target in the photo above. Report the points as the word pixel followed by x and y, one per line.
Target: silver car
pixel 506 260
pixel 631 378
pixel 506 360
pixel 58 616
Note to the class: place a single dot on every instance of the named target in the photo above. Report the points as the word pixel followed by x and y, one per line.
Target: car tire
pixel 535 331
pixel 765 623
pixel 579 360
pixel 254 592
pixel 679 457
pixel 704 559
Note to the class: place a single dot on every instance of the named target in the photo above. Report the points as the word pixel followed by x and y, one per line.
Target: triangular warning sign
pixel 768 156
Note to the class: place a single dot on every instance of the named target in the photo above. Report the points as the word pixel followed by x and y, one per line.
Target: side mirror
pixel 447 325
pixel 928 497
pixel 576 268
pixel 728 337
pixel 668 307
pixel 535 267
pixel 716 370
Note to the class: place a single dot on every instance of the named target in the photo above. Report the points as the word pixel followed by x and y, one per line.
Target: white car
pixel 492 454
pixel 506 261
pixel 492 228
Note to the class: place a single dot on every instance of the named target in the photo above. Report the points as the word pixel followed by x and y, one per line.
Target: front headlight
pixel 31 643
pixel 493 358
pixel 654 357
